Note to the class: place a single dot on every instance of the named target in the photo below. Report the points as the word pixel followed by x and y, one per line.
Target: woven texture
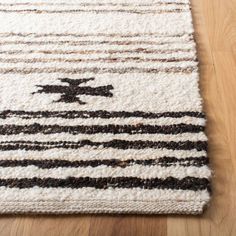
pixel 100 109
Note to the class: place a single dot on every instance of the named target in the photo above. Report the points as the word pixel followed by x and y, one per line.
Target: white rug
pixel 100 108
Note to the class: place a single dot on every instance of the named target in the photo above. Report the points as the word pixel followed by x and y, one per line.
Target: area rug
pixel 100 110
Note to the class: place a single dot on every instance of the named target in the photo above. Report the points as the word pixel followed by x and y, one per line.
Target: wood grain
pixel 215 27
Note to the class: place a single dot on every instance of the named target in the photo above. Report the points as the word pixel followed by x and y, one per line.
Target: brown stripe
pixel 107 60
pixel 77 43
pixel 95 11
pixel 138 50
pixel 97 70
pixel 36 35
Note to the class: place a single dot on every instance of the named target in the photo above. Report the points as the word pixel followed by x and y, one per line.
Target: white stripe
pixel 151 93
pixel 105 137
pixel 111 23
pixel 72 7
pixel 144 172
pixel 81 3
pixel 100 1
pixel 185 38
pixel 61 194
pixel 105 47
pixel 88 153
pixel 102 121
pixel 100 55
pixel 89 4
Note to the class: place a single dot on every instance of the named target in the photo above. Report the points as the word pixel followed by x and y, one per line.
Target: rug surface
pixel 100 109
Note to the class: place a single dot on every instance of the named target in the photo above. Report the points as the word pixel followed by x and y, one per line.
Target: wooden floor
pixel 215 26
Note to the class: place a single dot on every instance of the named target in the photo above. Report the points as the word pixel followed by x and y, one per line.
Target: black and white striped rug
pixel 100 108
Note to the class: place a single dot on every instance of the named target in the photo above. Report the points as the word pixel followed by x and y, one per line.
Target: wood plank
pixel 215 27
pixel 128 226
pixel 44 225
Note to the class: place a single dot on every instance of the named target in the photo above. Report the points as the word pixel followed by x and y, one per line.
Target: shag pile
pixel 100 108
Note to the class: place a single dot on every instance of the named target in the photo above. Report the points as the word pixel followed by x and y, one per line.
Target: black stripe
pixel 187 183
pixel 56 163
pixel 96 114
pixel 116 144
pixel 94 129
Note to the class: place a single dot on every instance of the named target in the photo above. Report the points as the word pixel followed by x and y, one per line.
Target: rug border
pixel 104 206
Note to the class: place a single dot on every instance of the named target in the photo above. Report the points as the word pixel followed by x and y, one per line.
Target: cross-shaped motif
pixel 69 93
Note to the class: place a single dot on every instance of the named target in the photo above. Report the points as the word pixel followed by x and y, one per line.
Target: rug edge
pixel 95 206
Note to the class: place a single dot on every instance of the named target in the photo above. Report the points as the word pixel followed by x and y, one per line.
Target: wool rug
pixel 100 110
